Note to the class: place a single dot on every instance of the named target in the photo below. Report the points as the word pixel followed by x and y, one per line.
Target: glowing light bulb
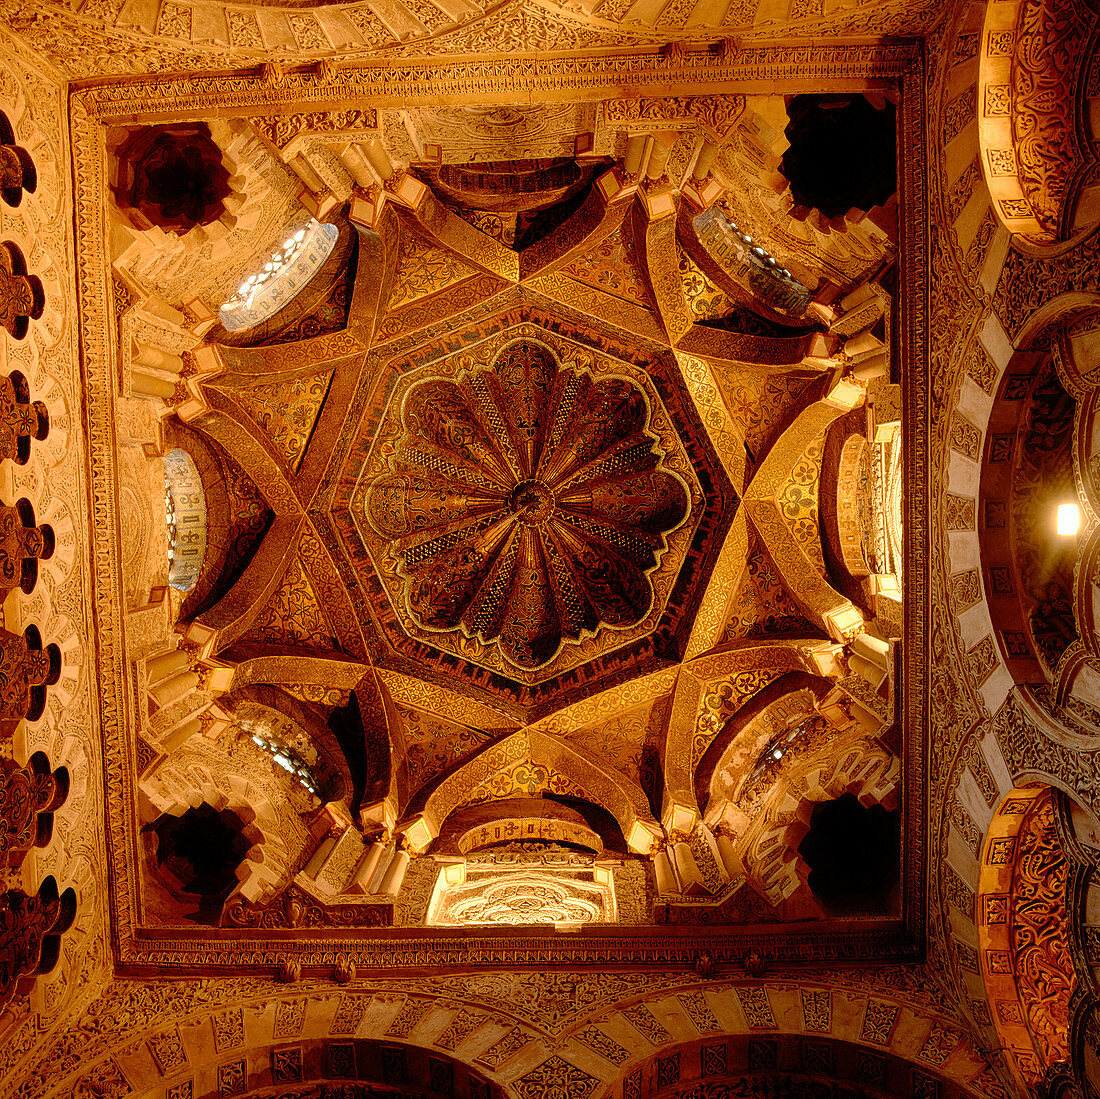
pixel 1069 519
pixel 777 754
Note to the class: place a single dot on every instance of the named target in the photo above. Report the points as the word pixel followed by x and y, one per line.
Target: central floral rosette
pixel 526 503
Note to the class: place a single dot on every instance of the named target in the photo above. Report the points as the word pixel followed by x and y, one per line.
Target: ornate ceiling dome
pixel 538 546
pixel 527 503
pixel 581 590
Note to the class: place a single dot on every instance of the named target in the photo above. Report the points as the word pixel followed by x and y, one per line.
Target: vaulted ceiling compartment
pixel 551 479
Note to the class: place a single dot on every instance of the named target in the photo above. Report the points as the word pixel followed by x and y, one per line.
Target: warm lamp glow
pixel 1069 519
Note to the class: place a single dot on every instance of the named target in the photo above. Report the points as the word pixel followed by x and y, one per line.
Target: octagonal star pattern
pixel 526 504
pixel 517 535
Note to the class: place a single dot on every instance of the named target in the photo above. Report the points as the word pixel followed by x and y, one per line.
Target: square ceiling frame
pixel 140 950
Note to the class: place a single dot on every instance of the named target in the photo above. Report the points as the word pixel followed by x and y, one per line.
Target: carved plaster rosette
pixel 527 509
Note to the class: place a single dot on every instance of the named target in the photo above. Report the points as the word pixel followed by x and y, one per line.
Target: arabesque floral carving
pixel 527 504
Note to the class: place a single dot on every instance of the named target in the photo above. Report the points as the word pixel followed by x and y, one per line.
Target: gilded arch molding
pixel 589 778
pixel 520 1029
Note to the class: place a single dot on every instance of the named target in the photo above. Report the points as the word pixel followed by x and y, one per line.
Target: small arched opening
pixel 1024 932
